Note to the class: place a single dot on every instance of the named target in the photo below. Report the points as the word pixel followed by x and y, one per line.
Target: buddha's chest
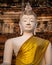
pixel 17 44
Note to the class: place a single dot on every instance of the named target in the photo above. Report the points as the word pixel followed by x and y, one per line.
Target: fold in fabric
pixel 32 51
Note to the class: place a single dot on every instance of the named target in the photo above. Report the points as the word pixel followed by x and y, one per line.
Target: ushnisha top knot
pixel 28 9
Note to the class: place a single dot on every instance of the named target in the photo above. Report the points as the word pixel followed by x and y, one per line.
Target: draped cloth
pixel 32 51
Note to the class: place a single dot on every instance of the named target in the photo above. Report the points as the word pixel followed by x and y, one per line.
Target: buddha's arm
pixel 47 57
pixel 7 53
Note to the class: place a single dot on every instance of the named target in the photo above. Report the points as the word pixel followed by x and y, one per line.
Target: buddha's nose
pixel 28 24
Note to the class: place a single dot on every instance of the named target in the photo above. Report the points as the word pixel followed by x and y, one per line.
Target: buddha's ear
pixel 34 31
pixel 36 25
pixel 21 31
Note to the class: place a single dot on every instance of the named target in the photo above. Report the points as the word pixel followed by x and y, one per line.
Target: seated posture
pixel 28 48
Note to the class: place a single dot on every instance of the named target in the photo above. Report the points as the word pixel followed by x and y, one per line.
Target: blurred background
pixel 10 11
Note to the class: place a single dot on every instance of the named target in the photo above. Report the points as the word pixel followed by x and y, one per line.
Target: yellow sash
pixel 32 51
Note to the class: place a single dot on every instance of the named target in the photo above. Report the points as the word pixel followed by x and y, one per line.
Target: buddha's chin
pixel 28 30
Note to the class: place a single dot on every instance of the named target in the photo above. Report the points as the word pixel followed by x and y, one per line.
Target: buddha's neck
pixel 28 33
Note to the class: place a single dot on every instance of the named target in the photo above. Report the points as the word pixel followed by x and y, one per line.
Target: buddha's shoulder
pixel 40 39
pixel 15 39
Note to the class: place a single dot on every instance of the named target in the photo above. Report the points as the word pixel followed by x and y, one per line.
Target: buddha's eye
pixel 32 21
pixel 25 20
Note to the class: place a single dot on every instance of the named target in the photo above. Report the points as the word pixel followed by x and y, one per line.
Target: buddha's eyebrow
pixel 25 18
pixel 32 18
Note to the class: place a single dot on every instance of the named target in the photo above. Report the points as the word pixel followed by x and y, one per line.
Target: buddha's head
pixel 28 19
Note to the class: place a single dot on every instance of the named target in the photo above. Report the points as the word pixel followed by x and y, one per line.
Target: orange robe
pixel 32 51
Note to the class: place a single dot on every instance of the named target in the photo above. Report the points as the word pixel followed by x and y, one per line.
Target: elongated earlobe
pixel 21 31
pixel 34 31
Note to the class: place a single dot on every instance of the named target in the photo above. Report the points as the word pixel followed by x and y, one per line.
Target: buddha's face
pixel 28 22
